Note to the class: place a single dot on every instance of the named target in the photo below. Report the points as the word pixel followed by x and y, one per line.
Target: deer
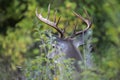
pixel 67 45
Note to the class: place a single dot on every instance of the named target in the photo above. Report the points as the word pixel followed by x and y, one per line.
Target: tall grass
pixel 42 68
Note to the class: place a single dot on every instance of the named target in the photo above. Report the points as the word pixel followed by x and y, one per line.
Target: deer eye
pixel 53 45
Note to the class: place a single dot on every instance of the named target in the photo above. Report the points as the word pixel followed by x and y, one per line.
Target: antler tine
pixel 87 21
pixel 86 13
pixel 66 25
pixel 50 23
pixel 58 21
pixel 75 26
pixel 55 16
pixel 48 11
pixel 74 30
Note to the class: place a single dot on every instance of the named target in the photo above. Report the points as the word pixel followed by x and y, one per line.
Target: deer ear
pixel 78 41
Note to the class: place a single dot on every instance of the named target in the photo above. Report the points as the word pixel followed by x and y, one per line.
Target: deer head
pixel 68 46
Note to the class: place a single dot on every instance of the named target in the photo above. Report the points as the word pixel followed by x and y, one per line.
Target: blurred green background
pixel 18 23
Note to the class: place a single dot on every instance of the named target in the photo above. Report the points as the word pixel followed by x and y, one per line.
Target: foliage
pixel 18 41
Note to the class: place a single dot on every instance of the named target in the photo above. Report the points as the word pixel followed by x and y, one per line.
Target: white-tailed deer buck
pixel 67 46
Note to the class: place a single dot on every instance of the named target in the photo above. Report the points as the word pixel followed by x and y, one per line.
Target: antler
pixel 54 24
pixel 87 21
pixel 50 23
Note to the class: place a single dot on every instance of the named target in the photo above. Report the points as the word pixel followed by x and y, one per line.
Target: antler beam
pixel 50 23
pixel 55 23
pixel 87 21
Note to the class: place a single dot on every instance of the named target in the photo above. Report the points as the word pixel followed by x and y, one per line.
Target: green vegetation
pixel 21 34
